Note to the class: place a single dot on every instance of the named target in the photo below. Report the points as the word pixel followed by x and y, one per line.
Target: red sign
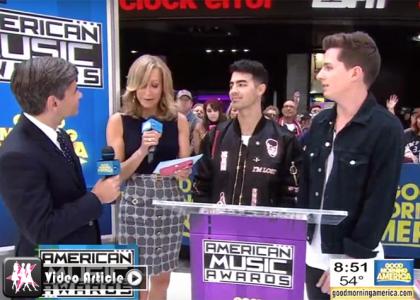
pixel 307 10
pixel 153 5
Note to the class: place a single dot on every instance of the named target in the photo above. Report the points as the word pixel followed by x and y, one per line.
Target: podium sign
pixel 233 257
pixel 240 252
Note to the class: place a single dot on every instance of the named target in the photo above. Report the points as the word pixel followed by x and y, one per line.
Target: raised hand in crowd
pixel 391 102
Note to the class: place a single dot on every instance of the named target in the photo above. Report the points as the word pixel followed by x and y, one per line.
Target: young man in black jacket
pixel 249 160
pixel 352 160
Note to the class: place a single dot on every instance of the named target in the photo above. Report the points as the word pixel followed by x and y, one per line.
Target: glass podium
pixel 249 252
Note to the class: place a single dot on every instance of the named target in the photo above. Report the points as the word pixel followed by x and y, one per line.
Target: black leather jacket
pixel 257 174
pixel 368 153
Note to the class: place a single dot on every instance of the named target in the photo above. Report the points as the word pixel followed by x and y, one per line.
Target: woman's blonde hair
pixel 138 76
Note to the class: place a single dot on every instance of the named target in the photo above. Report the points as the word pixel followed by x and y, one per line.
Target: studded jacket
pixel 368 153
pixel 264 173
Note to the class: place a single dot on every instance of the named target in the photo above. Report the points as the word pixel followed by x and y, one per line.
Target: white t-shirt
pixel 245 139
pixel 290 126
pixel 314 256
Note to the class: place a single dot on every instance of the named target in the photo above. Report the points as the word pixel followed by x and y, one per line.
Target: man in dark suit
pixel 41 180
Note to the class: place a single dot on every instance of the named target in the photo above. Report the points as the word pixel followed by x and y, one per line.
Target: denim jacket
pixel 368 154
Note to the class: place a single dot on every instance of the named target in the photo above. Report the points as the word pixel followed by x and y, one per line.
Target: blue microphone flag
pixel 152 124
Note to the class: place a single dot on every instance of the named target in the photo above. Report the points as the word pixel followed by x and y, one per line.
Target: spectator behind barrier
pixel 412 140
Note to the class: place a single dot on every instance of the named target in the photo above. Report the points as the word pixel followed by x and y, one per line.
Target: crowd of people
pixel 344 158
pixel 410 119
pixel 299 123
pixel 211 113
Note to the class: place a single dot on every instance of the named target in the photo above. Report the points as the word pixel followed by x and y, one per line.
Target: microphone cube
pixel 108 168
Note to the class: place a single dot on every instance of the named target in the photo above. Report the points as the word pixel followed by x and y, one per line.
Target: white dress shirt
pixel 51 133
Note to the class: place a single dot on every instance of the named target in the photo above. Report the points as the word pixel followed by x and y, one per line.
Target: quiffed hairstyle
pixel 357 49
pixel 34 80
pixel 138 76
pixel 253 67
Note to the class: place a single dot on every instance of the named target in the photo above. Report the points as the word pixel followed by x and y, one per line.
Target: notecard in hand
pixel 169 167
pixel 170 170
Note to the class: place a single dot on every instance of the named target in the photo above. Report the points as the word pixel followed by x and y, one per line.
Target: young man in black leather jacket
pixel 249 160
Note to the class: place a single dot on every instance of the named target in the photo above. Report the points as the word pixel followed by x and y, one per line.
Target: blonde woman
pixel 157 231
pixel 231 112
pixel 271 112
pixel 198 110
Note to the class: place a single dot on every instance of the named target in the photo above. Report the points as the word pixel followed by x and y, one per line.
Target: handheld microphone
pixel 108 166
pixel 151 124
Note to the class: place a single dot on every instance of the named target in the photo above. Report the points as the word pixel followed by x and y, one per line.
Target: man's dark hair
pixel 253 67
pixel 357 49
pixel 34 80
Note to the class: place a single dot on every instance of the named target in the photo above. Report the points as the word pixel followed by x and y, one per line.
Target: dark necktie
pixel 65 147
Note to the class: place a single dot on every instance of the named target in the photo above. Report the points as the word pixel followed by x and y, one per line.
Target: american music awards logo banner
pixel 237 262
pixel 25 35
pixel 78 32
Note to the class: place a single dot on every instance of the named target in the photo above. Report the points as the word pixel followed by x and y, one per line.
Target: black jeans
pixel 312 277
